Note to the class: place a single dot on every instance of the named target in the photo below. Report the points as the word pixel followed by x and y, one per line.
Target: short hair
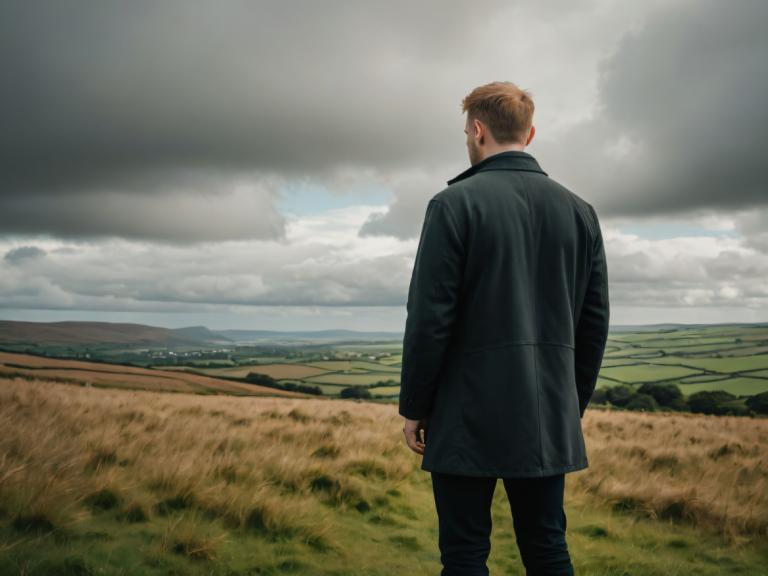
pixel 506 109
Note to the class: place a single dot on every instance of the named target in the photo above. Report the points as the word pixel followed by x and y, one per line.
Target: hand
pixel 413 434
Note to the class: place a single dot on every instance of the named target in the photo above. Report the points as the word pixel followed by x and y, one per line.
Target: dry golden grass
pixel 280 466
pixel 265 465
pixel 44 362
pixel 711 471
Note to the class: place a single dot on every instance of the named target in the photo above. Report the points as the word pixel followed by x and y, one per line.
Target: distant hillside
pixel 73 332
pixel 200 334
pixel 668 327
pixel 275 336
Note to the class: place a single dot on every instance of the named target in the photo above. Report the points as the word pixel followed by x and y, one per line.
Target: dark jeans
pixel 464 514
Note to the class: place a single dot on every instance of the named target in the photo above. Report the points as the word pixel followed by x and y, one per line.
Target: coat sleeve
pixel 592 327
pixel 432 308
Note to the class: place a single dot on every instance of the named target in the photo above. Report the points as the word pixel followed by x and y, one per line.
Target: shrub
pixel 356 392
pixel 758 403
pixel 643 403
pixel 306 388
pixel 261 379
pixel 711 402
pixel 620 395
pixel 664 394
pixel 679 404
pixel 599 396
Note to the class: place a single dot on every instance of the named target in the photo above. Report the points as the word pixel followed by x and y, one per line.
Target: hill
pixel 102 333
pixel 74 332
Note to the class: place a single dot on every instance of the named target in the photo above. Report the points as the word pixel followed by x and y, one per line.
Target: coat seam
pixel 538 408
pixel 532 300
pixel 506 343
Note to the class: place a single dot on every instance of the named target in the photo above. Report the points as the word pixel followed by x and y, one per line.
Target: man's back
pixel 503 350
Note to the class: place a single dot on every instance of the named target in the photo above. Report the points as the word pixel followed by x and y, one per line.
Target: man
pixel 507 324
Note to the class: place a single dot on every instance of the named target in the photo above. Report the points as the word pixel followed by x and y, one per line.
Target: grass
pixel 100 481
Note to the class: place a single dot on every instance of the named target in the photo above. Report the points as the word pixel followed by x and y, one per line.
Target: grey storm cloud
pixel 683 123
pixel 149 119
pixel 142 98
pixel 680 125
pixel 23 253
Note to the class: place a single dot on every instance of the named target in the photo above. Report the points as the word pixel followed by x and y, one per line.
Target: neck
pixel 492 149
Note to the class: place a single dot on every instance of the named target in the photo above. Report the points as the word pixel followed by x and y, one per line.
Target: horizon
pixel 613 327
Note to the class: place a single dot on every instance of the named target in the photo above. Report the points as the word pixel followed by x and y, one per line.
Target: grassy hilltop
pixel 114 481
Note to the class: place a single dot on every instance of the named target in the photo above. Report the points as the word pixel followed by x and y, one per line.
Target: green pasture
pixel 352 379
pixel 393 359
pixel 385 390
pixel 737 386
pixel 646 373
pixel 396 534
pixel 725 365
pixel 375 366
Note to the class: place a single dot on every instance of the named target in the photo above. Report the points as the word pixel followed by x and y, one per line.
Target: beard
pixel 474 153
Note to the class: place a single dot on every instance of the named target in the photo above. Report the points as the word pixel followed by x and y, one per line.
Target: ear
pixel 479 130
pixel 531 134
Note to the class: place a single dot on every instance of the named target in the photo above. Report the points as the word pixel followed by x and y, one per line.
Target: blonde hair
pixel 506 109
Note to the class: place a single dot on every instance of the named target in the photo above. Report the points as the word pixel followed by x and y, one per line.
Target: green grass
pixel 396 534
pixel 352 379
pixel 733 359
pixel 374 366
pixel 386 390
pixel 725 365
pixel 737 386
pixel 646 373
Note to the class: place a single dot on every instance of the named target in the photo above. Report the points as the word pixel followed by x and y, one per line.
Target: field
pixel 377 375
pixel 118 376
pixel 733 358
pixel 730 358
pixel 114 481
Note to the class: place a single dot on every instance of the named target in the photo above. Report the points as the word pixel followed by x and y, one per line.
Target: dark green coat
pixel 507 322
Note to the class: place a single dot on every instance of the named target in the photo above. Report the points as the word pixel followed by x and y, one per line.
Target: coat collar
pixel 510 160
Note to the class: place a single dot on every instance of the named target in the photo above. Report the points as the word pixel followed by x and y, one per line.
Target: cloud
pixel 753 224
pixel 682 116
pixel 144 97
pixel 219 212
pixel 707 271
pixel 321 261
pixel 22 253
pixel 404 216
pixel 677 122
pixel 148 99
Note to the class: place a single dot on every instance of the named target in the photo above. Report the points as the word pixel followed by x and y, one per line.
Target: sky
pixel 267 164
